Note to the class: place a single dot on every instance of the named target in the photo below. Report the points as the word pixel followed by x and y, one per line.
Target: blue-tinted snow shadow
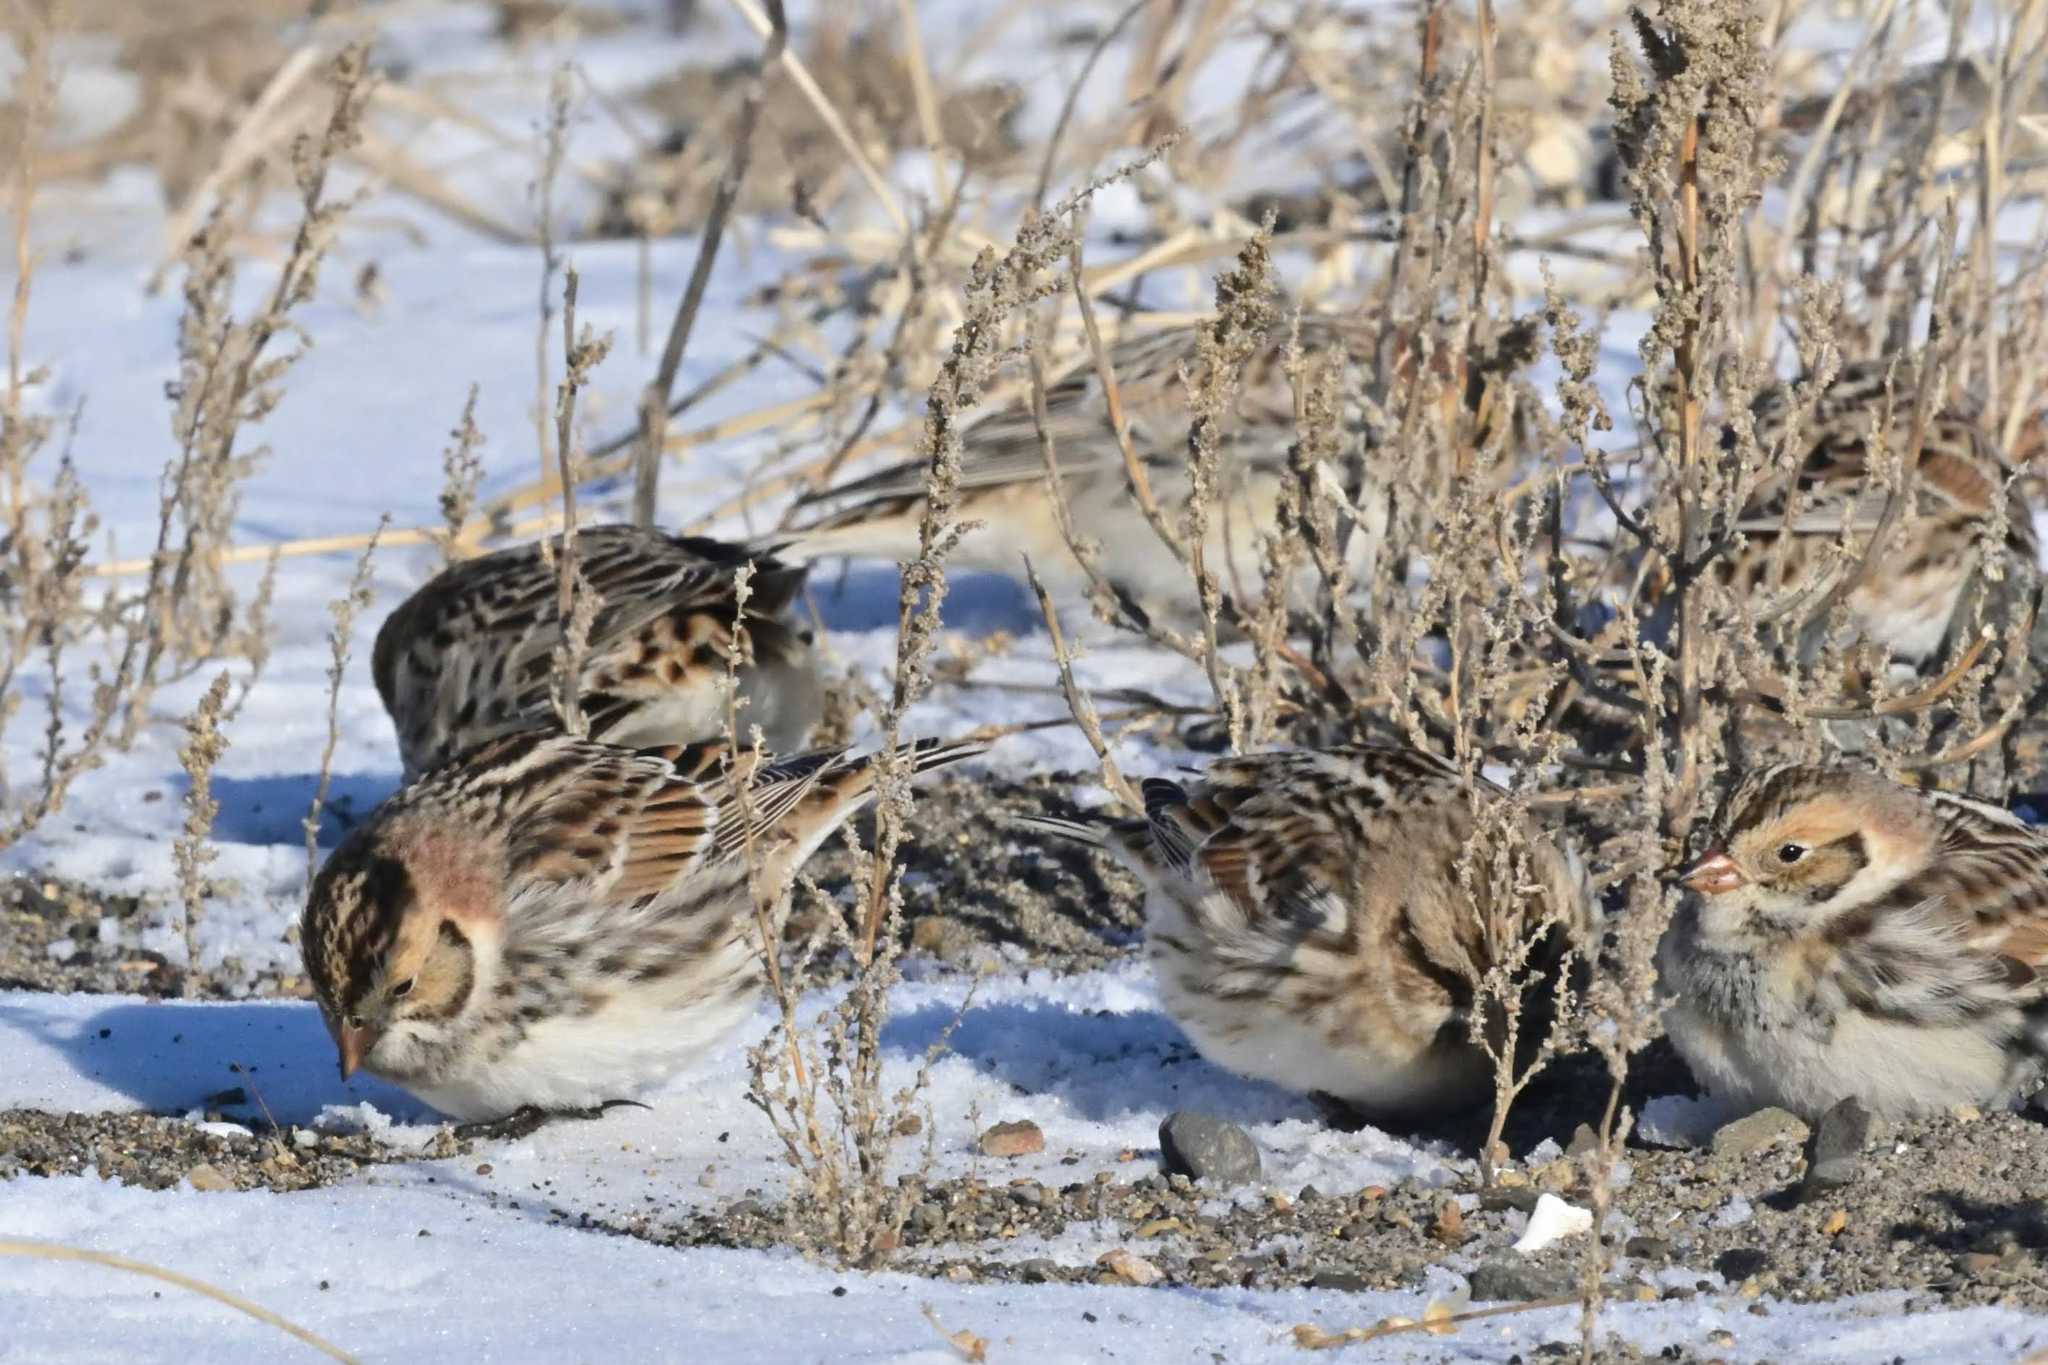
pixel 269 810
pixel 1104 1065
pixel 862 597
pixel 173 1057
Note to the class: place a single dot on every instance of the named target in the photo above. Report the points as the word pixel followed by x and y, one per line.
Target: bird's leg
pixel 527 1120
pixel 521 1122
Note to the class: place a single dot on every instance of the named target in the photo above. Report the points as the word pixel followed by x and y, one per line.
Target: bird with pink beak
pixel 1848 937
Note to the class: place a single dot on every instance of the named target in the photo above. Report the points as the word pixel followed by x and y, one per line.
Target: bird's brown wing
pixel 1965 938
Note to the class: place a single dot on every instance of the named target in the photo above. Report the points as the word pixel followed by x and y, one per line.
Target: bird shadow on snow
pixel 977 604
pixel 271 809
pixel 171 1058
pixel 1103 1065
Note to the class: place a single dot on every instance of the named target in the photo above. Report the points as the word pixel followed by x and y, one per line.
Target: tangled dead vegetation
pixel 1601 608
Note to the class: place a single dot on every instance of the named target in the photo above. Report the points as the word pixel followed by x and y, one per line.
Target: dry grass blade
pixel 654 403
pixel 259 130
pixel 54 1251
pixel 1311 1338
pixel 1079 703
pixel 808 84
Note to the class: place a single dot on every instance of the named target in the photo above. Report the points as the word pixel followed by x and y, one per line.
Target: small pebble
pixel 1521 1198
pixel 1130 1268
pixel 1012 1140
pixel 1740 1263
pixel 1835 1152
pixel 1342 1280
pixel 1519 1281
pixel 1647 1249
pixel 1203 1147
pixel 208 1179
pixel 1754 1132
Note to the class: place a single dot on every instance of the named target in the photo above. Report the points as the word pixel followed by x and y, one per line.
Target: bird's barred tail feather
pixel 1073 831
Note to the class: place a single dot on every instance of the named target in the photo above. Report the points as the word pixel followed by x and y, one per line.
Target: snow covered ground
pixel 464 1259
pixel 430 1260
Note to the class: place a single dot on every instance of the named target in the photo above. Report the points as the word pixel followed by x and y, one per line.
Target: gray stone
pixel 1754 1132
pixel 1835 1151
pixel 1520 1197
pixel 1648 1249
pixel 1203 1147
pixel 1342 1280
pixel 1512 1279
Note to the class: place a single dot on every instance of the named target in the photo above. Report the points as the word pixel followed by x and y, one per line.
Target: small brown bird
pixel 550 923
pixel 1794 525
pixel 469 656
pixel 1309 922
pixel 1003 484
pixel 1850 937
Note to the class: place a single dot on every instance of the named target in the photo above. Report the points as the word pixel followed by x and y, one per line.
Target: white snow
pixel 1682 1120
pixel 378 1272
pixel 435 1260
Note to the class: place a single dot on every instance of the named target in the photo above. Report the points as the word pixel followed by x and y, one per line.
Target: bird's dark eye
pixel 1789 854
pixel 351 1021
pixel 402 989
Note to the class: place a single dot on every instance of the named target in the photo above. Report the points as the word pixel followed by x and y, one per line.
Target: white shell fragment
pixel 1553 1220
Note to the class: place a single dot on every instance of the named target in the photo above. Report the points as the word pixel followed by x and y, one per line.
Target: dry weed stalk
pixel 821 1086
pixel 344 609
pixel 45 535
pixel 462 468
pixel 193 851
pixel 1687 128
pixel 576 601
pixel 231 378
pixel 554 146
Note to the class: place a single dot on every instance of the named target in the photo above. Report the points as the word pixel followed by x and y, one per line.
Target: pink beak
pixel 1712 874
pixel 354 1044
